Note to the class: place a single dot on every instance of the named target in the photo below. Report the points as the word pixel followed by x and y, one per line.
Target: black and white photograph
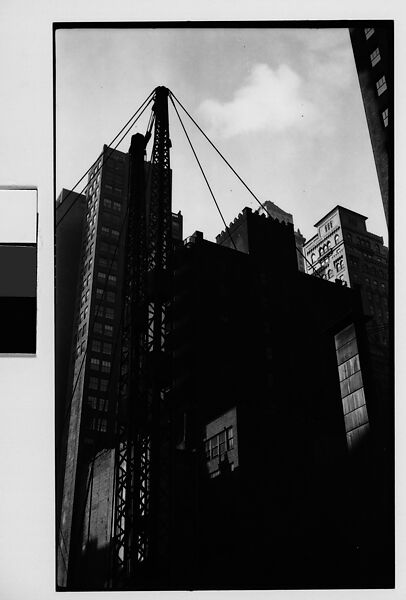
pixel 224 275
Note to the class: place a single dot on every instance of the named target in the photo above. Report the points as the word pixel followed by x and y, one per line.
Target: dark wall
pixel 259 337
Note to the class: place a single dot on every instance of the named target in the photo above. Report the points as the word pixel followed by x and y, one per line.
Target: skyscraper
pixel 87 426
pixel 95 227
pixel 373 54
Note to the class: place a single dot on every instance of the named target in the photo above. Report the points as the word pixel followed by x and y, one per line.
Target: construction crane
pixel 140 545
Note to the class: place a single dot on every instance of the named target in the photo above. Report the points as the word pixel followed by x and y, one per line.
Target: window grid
pixel 220 443
pixel 381 85
pixel 375 57
pixel 369 31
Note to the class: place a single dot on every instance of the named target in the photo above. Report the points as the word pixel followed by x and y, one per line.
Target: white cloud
pixel 271 100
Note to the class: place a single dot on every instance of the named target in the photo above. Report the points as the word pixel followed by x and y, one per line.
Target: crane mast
pixel 141 509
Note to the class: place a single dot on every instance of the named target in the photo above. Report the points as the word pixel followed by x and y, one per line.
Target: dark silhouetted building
pixel 273 425
pixel 271 209
pixel 275 410
pixel 373 54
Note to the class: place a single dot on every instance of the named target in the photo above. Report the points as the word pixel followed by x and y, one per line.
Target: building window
pixel 217 445
pixel 103 404
pixel 97 327
pixel 339 264
pixel 109 313
pixel 385 117
pixel 368 32
pixel 96 346
pixel 106 366
pixel 93 383
pixel 107 348
pixel 313 257
pixel 107 203
pixel 104 385
pixel 92 402
pixel 375 57
pixel 108 330
pixel 336 239
pixel 111 297
pixel 330 273
pixel 381 85
pixel 95 364
pixel 352 388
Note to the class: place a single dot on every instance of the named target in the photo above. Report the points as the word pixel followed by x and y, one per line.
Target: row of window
pixel 108 296
pixel 375 283
pixel 95 179
pixel 103 328
pixel 84 298
pixel 116 189
pixel 80 348
pixel 100 384
pixel 112 204
pixel 100 365
pixel 105 312
pixel 90 234
pixel 110 279
pixel 98 424
pixel 83 314
pixel 98 346
pixel 110 249
pixel 107 263
pixel 98 403
pixel 220 443
pixel 368 32
pixel 325 247
pixel 113 233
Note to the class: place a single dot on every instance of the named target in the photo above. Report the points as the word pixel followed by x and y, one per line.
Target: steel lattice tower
pixel 142 477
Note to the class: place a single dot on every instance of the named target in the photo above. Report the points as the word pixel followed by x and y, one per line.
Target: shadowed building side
pixel 373 54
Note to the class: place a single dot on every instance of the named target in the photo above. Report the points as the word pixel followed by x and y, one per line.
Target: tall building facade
pixel 89 417
pixel 90 283
pixel 271 209
pixel 373 54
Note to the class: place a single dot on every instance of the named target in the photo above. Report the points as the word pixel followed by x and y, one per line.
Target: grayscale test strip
pixel 18 271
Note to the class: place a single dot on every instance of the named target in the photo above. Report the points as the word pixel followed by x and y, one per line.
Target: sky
pixel 282 105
